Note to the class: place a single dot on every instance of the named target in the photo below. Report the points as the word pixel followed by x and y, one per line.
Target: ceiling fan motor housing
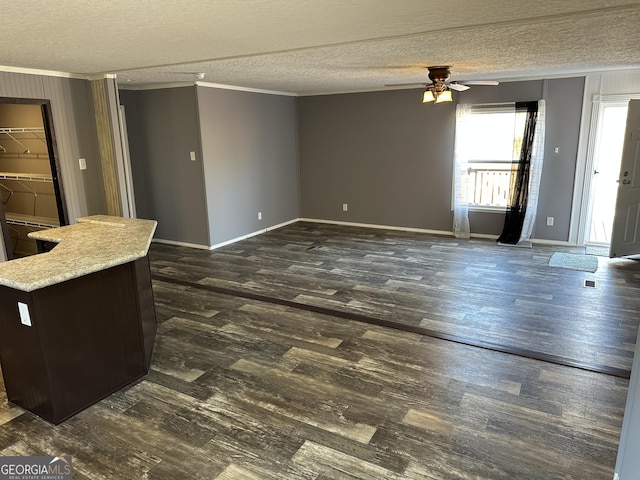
pixel 439 74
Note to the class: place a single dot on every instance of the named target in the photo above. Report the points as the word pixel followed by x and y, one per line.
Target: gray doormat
pixel 573 261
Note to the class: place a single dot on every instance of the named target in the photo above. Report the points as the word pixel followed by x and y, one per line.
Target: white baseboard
pixel 351 224
pixel 180 244
pixel 559 243
pixel 486 236
pixel 253 234
pixel 222 244
pixel 381 227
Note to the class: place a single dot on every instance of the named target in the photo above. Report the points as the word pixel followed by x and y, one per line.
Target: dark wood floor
pixel 474 290
pixel 246 389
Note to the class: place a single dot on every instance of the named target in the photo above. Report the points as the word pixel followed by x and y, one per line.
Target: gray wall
pixel 564 99
pixel 246 161
pixel 385 154
pixel 75 135
pixel 390 157
pixel 169 187
pixel 250 160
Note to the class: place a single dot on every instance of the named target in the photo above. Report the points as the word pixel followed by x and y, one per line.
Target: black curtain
pixel 519 193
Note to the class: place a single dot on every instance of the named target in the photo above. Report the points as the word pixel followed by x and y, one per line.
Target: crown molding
pixel 46 73
pixel 244 89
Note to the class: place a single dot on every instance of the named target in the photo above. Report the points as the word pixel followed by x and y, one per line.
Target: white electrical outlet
pixel 25 317
pixel 549 221
pixel 83 163
pixel 259 215
pixel 345 207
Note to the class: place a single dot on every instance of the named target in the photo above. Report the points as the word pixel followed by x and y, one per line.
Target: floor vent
pixel 590 283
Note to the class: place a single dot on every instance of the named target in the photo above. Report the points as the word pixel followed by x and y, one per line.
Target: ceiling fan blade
pixel 458 87
pixel 406 84
pixel 482 82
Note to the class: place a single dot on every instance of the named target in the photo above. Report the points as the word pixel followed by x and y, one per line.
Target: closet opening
pixel 30 185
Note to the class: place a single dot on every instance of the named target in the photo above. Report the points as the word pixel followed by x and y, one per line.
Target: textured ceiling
pixel 320 46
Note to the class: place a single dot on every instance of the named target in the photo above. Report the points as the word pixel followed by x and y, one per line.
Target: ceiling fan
pixel 440 88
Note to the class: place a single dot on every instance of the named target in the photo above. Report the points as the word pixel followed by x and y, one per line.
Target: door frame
pixel 47 120
pixel 52 149
pixel 583 182
pixel 125 175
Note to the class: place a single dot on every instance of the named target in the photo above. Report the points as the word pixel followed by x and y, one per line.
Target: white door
pixel 625 237
pixel 607 155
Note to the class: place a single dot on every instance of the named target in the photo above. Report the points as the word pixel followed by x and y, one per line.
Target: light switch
pixel 83 163
pixel 25 317
pixel 192 155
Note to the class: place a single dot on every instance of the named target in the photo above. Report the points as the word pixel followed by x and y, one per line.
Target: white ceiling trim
pixel 160 86
pixel 155 86
pixel 45 73
pixel 244 89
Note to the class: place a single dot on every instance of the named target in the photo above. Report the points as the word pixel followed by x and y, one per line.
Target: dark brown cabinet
pixel 88 337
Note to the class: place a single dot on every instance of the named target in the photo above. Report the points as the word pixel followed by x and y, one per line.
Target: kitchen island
pixel 77 323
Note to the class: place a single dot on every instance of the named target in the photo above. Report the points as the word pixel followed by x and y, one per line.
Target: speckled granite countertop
pixel 95 243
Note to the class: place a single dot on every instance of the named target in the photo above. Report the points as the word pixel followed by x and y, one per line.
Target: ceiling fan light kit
pixel 428 96
pixel 445 96
pixel 437 93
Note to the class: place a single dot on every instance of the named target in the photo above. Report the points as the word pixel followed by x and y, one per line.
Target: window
pixel 493 150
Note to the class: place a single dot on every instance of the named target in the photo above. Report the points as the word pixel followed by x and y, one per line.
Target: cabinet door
pixel 24 366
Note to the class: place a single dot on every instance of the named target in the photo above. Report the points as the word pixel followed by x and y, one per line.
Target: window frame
pixel 507 107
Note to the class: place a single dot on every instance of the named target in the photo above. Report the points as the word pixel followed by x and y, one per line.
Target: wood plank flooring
pixel 500 297
pixel 248 389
